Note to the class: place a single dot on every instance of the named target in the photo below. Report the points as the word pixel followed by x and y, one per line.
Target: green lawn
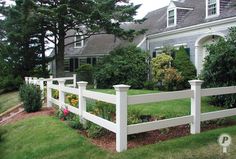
pixel 167 109
pixel 47 137
pixel 8 100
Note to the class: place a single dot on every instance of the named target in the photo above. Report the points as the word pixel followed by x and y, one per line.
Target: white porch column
pixel 196 106
pixel 121 116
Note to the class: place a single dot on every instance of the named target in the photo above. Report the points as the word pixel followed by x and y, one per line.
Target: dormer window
pixel 79 42
pixel 171 21
pixel 213 8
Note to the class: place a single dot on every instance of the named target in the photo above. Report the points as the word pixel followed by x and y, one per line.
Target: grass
pixel 8 100
pixel 167 109
pixel 46 137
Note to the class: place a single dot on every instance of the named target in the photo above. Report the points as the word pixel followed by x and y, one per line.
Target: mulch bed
pixel 108 141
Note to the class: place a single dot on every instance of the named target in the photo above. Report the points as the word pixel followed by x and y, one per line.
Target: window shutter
pixel 76 63
pixel 71 65
pixel 187 51
pixel 154 54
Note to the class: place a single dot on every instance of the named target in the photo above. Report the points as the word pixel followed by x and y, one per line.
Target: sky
pixel 149 5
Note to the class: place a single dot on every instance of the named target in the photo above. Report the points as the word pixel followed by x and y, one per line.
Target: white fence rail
pixel 122 100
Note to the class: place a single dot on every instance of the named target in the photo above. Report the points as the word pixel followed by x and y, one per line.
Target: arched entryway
pixel 200 49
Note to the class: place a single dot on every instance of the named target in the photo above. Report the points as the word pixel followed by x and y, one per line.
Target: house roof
pixel 157 23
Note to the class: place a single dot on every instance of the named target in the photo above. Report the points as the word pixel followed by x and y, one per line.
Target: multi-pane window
pixel 72 64
pixel 78 40
pixel 67 65
pixel 171 17
pixel 212 7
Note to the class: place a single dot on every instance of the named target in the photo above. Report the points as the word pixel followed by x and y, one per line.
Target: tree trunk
pixel 43 54
pixel 60 53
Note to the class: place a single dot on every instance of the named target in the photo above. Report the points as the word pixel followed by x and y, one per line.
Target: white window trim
pixel 175 17
pixel 217 10
pixel 82 41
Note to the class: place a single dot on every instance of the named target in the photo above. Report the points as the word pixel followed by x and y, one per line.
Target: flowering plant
pixel 73 99
pixel 66 112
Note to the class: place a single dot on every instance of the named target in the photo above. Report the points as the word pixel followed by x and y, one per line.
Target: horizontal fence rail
pixel 100 96
pixel 158 97
pixel 100 121
pixel 121 101
pixel 218 114
pixel 154 125
pixel 218 91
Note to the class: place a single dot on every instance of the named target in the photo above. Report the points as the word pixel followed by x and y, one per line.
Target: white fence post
pixel 74 80
pixel 49 93
pixel 82 101
pixel 196 106
pixel 41 84
pixel 26 80
pixel 121 116
pixel 35 80
pixel 61 93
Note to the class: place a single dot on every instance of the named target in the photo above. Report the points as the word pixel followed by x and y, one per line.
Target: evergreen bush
pixel 30 95
pixel 183 64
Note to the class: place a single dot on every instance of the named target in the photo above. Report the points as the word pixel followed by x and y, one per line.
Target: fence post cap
pixel 121 87
pixel 82 83
pixel 196 82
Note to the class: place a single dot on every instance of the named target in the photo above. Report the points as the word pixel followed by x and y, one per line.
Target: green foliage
pixel 220 68
pixel 55 94
pixel 167 77
pixel 95 131
pixel 31 97
pixel 159 64
pixel 134 116
pixel 183 64
pixel 172 79
pixel 149 85
pixel 85 73
pixel 10 83
pixel 125 65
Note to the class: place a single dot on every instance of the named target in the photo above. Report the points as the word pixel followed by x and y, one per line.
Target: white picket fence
pixel 122 100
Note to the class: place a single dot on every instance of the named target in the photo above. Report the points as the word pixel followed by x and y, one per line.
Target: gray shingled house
pixel 188 23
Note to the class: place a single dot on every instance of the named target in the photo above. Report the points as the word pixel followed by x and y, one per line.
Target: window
pixel 171 18
pixel 70 65
pixel 67 65
pixel 79 42
pixel 212 8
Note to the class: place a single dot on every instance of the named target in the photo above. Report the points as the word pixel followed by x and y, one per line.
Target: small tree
pixel 168 78
pixel 124 65
pixel 183 64
pixel 220 68
pixel 159 64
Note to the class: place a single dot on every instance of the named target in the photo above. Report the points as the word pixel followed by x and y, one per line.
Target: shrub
pixel 149 85
pixel 85 73
pixel 31 97
pixel 124 65
pixel 172 79
pixel 183 64
pixel 10 83
pixel 159 64
pixel 220 68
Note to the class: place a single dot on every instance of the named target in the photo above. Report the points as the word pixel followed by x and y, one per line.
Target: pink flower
pixel 66 112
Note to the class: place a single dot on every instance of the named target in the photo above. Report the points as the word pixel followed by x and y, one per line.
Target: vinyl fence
pixel 122 100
